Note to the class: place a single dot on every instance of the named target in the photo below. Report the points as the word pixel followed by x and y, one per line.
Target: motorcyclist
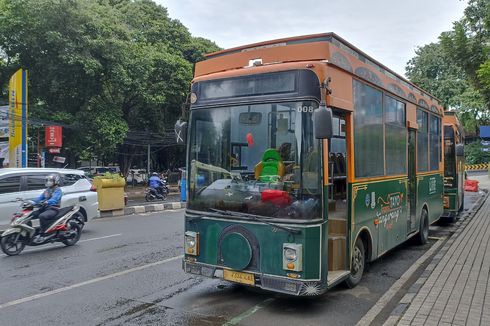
pixel 51 200
pixel 156 183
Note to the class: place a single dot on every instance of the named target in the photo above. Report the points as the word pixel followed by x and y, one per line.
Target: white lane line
pixel 92 281
pixel 100 238
pixel 236 320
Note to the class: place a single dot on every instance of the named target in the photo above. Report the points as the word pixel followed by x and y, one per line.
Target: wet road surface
pixel 127 271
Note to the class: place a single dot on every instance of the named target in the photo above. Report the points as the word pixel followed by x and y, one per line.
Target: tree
pixel 468 44
pixel 112 70
pixel 433 70
pixel 457 69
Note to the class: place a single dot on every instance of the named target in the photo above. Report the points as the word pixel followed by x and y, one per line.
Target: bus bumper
pixel 267 282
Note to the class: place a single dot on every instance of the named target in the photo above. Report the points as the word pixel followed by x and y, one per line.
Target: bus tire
pixel 357 265
pixel 423 234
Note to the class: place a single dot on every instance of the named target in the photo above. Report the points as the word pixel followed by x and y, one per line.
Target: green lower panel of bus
pixel 380 210
pixel 451 202
pixel 253 253
pixel 430 194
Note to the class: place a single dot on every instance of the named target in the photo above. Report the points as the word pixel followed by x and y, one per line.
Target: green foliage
pixel 472 109
pixel 433 70
pixel 474 154
pixel 457 69
pixel 109 175
pixel 102 66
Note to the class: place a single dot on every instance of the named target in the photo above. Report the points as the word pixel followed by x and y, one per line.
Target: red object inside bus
pixel 277 197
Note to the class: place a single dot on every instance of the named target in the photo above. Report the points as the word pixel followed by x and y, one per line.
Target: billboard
pixel 18 119
pixel 53 136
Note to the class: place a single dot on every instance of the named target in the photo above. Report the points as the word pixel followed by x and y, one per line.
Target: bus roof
pixel 302 48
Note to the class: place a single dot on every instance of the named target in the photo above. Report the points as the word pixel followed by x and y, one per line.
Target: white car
pixel 139 176
pixel 28 183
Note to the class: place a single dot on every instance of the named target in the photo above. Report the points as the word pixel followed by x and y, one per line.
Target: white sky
pixel 387 30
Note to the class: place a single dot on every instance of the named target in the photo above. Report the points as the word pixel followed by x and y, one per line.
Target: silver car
pixel 27 183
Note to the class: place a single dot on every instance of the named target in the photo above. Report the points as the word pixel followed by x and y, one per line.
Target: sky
pixel 387 30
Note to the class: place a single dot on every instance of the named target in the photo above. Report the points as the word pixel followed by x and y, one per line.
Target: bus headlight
pixel 191 243
pixel 292 258
pixel 290 254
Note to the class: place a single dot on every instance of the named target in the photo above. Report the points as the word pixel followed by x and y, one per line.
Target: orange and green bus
pixel 454 163
pixel 306 158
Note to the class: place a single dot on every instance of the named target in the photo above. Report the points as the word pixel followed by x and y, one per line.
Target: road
pixel 127 270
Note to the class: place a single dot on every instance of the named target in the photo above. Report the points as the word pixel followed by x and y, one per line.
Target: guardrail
pixel 474 167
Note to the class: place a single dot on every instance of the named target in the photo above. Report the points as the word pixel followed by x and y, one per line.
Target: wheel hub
pixel 356 260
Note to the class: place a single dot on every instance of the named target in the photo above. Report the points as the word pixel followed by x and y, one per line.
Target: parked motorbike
pixel 65 229
pixel 152 194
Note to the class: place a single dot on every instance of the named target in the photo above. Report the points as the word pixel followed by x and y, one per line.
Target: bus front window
pixel 260 159
pixel 449 157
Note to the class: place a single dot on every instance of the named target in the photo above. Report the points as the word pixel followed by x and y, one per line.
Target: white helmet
pixel 52 180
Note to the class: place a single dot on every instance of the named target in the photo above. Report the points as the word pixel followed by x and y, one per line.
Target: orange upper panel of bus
pixel 306 52
pixel 450 119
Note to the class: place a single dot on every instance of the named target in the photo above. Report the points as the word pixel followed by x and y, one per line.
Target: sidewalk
pixel 455 287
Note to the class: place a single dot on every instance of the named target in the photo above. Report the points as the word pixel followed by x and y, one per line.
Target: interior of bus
pixel 337 197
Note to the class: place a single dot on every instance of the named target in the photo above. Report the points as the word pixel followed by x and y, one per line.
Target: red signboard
pixel 53 136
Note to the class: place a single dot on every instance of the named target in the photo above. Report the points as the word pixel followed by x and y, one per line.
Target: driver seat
pixel 271 167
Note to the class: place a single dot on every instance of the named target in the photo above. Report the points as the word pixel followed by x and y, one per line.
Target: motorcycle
pixel 65 229
pixel 152 194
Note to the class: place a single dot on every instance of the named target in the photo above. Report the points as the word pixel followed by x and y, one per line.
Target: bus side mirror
pixel 459 150
pixel 322 122
pixel 180 132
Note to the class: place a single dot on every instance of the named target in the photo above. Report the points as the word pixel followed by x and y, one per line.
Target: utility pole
pixel 38 147
pixel 148 168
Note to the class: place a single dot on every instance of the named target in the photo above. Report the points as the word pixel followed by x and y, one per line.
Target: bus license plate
pixel 239 277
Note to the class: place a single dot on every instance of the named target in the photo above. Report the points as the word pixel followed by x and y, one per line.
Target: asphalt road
pixel 127 270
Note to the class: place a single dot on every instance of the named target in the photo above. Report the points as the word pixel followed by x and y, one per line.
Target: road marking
pixel 100 238
pixel 236 320
pixel 92 281
pixel 393 290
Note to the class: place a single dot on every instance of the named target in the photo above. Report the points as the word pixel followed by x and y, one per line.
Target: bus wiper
pixel 256 218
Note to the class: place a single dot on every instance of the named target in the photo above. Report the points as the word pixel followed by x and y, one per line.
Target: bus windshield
pixel 449 157
pixel 260 159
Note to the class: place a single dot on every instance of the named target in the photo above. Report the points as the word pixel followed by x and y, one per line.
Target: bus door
pixel 337 199
pixel 412 182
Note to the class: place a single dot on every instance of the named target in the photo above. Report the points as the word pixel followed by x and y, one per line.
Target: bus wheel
pixel 423 235
pixel 358 263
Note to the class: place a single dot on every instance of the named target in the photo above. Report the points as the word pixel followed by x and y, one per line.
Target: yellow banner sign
pixel 18 119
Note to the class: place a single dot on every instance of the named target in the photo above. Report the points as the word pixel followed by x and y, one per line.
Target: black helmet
pixel 52 180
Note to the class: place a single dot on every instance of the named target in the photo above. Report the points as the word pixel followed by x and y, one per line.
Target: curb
pixel 141 194
pixel 131 210
pixel 407 299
